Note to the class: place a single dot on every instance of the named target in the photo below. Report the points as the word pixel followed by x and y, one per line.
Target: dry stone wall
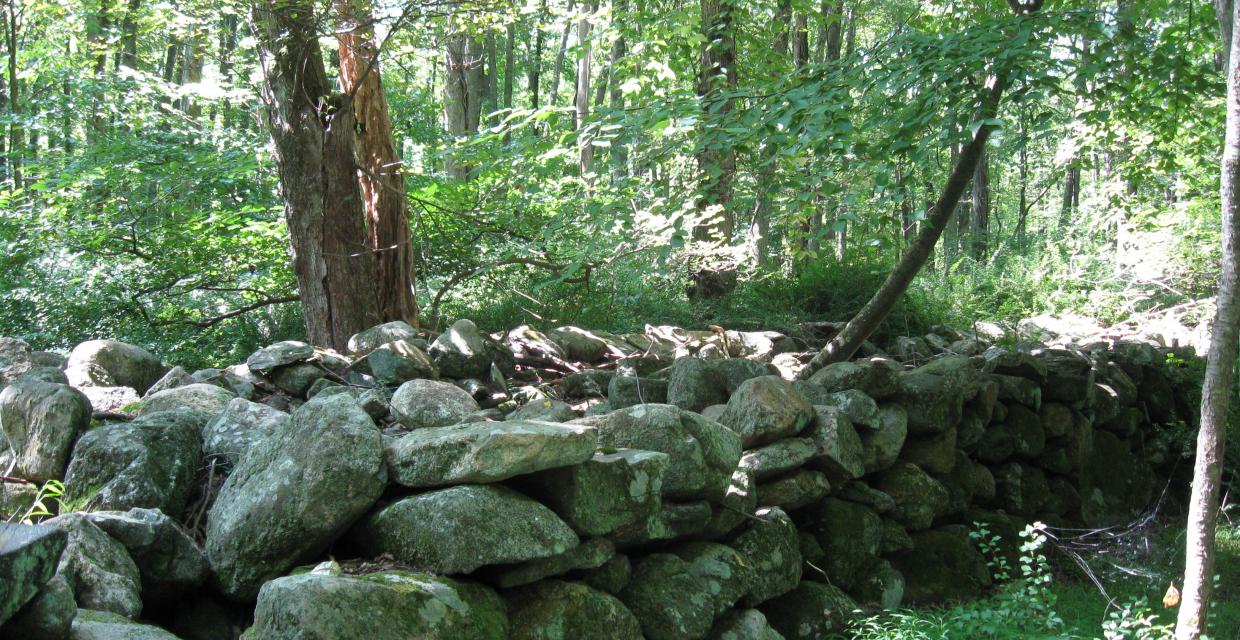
pixel 663 485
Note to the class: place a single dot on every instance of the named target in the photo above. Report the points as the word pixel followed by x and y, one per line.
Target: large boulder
pixel 880 448
pixel 97 568
pixel 559 610
pixel 873 379
pixel 49 616
pixel 942 565
pixel 419 404
pixel 545 410
pixel 769 546
pixel 482 452
pixel 743 624
pixel 294 493
pixel 673 521
pixel 111 363
pixel 679 595
pixel 278 355
pixel 779 458
pixel 238 428
pixel 391 605
pixel 934 402
pixel 695 384
pixel 919 497
pixel 28 559
pixel 588 555
pixel 812 611
pixel 579 344
pixel 737 506
pixel 799 489
pixel 111 399
pixel 459 529
pixel 838 449
pixel 207 399
pixel 765 409
pixel 861 409
pixel 15 360
pixel 396 362
pixel 849 533
pixel 607 491
pixel 41 422
pixel 626 391
pixel 364 342
pixel 150 462
pixel 89 624
pixel 703 452
pixel 464 352
pixel 168 560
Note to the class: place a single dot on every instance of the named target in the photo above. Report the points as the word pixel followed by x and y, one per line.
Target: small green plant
pixel 39 508
pixel 1135 620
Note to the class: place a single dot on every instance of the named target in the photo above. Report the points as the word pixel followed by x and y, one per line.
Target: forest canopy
pixel 615 164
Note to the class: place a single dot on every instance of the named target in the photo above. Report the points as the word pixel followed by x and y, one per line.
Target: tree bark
pixel 760 228
pixel 716 158
pixel 490 100
pixel 380 171
pixel 463 89
pixel 313 137
pixel 535 76
pixel 584 140
pixel 16 133
pixel 557 70
pixel 1217 391
pixel 980 223
pixel 861 326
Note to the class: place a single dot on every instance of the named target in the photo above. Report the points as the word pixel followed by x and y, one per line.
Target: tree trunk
pixel 716 158
pixel 557 70
pixel 490 100
pixel 536 59
pixel 760 229
pixel 129 36
pixel 313 137
pixel 584 140
pixel 861 326
pixel 16 134
pixel 380 171
pixel 979 227
pixel 619 146
pixel 463 89
pixel 1216 393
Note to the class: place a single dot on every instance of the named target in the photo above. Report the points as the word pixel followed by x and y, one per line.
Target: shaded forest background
pixel 562 160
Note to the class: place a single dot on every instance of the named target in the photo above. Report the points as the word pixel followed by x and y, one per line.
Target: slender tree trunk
pixel 980 224
pixel 490 100
pixel 716 158
pixel 557 70
pixel 535 76
pixel 760 229
pixel 17 135
pixel 1219 387
pixel 584 140
pixel 380 171
pixel 313 139
pixel 619 149
pixel 129 36
pixel 861 326
pixel 463 89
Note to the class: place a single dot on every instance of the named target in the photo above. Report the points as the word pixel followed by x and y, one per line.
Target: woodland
pixel 208 178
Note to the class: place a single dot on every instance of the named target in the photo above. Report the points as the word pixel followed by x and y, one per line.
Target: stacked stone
pixel 702 494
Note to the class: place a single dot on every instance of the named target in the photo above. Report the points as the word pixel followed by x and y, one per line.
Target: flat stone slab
pixel 482 452
pixel 28 558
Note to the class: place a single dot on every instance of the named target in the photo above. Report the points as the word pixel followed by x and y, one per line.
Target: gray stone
pixel 41 422
pixel 28 559
pixel 297 379
pixel 881 448
pixel 459 529
pixel 528 343
pixel 590 554
pixel 875 380
pixel 743 624
pixel 111 363
pixel 1027 427
pixel 703 452
pixel 997 444
pixel 1021 489
pixel 175 377
pixel 839 452
pixel 391 605
pixel 895 538
pixel 419 404
pixel 150 462
pixel 44 374
pixel 546 410
pixel 881 586
pixel 919 498
pixel 280 354
pixel 802 488
pixel 591 383
pixel 396 362
pixel 364 342
pixel 765 409
pixel 862 493
pixel 558 610
pixel 779 458
pixel 49 616
pixel 102 625
pixel 238 428
pixel 16 498
pixel 168 560
pixel 626 391
pixel 1017 390
pixel 673 521
pixel 608 491
pixel 579 344
pixel 941 566
pixel 15 360
pixel 482 452
pixel 294 493
pixel 695 384
pixel 679 595
pixel 463 352
pixel 935 453
pixel 770 549
pixel 113 399
pixel 933 402
pixel 97 568
pixel 207 399
pixel 812 611
pixel 850 535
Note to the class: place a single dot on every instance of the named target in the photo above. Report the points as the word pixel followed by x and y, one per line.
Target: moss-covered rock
pixel 850 535
pixel 942 565
pixel 559 610
pixel 875 380
pixel 765 409
pixel 42 421
pixel 207 399
pixel 880 448
pixel 919 497
pixel 794 491
pixel 97 568
pixel 459 529
pixel 49 616
pixel 169 561
pixel 391 605
pixel 812 611
pixel 89 624
pixel 770 547
pixel 590 554
pixel 421 404
pixel 28 559
pixel 608 491
pixel 838 449
pixel 743 624
pixel 679 595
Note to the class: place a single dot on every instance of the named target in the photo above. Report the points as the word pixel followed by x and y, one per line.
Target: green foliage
pixel 46 504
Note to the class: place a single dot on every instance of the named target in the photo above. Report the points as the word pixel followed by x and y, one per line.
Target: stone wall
pixel 669 484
